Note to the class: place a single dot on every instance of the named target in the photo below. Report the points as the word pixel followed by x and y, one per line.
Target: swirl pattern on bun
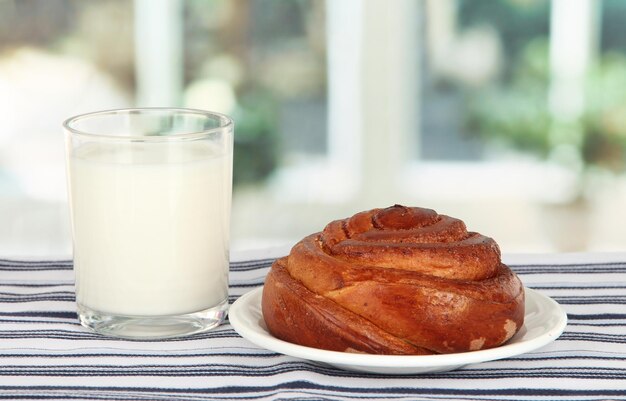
pixel 400 280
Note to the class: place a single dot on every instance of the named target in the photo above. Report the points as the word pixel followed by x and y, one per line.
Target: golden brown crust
pixel 319 322
pixel 394 281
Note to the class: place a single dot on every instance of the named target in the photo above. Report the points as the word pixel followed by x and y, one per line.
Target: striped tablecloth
pixel 46 354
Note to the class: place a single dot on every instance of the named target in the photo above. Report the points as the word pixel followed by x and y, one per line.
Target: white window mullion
pixel 158 52
pixel 390 101
pixel 573 45
pixel 573 36
pixel 344 33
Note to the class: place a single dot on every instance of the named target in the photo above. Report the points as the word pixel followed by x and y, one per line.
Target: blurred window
pixel 469 47
pixel 262 61
pixel 339 105
pixel 503 91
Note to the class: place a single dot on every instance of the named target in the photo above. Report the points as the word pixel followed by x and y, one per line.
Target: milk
pixel 151 226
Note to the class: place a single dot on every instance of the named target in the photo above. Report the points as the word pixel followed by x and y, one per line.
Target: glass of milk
pixel 150 197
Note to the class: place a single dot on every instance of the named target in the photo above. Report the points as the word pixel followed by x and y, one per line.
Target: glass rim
pixel 226 123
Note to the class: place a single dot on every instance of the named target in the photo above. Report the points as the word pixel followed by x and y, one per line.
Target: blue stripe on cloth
pixel 46 354
pixel 312 391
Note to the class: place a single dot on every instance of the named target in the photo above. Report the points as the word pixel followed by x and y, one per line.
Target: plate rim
pixel 267 341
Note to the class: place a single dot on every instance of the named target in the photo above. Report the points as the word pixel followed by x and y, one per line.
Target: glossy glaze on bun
pixel 400 280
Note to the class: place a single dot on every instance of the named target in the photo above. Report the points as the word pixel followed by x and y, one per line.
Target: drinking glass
pixel 150 197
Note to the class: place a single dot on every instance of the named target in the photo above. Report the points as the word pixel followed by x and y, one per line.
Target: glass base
pixel 152 327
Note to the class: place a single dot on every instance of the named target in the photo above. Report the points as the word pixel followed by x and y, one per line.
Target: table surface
pixel 46 354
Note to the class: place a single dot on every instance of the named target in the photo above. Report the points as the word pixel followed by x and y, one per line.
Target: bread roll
pixel 400 280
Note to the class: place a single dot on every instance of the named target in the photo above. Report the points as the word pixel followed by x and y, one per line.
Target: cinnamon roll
pixel 400 280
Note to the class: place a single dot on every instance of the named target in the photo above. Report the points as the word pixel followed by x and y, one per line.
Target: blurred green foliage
pixel 256 139
pixel 604 120
pixel 517 112
pixel 517 22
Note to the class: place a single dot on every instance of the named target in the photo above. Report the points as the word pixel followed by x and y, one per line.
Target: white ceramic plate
pixel 544 322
